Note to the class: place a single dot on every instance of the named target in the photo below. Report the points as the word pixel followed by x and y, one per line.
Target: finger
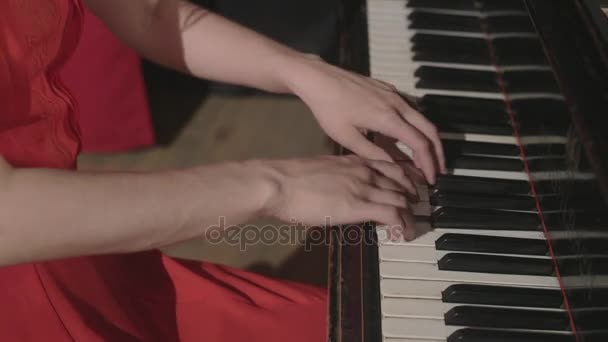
pixel 388 184
pixel 407 233
pixel 381 213
pixel 427 128
pixel 383 196
pixel 399 223
pixel 399 129
pixel 384 85
pixel 412 171
pixel 395 173
pixel 355 141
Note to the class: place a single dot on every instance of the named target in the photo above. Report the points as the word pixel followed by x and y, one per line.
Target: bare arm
pixel 47 214
pixel 184 36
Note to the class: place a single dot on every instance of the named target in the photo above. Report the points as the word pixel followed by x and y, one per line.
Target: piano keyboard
pixel 481 268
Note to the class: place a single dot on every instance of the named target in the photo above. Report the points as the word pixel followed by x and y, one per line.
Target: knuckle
pixel 353 159
pixel 366 173
pixel 422 144
pixel 360 191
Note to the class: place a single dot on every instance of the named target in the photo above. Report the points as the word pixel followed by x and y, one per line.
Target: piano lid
pixel 574 34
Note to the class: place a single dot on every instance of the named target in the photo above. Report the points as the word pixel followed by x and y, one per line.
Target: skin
pixel 78 213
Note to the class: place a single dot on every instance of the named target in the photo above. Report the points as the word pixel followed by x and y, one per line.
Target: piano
pixel 512 243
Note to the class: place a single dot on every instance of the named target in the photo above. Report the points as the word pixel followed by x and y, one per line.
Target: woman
pixel 78 249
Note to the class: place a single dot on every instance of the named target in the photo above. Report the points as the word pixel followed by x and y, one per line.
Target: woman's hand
pixel 341 190
pixel 346 105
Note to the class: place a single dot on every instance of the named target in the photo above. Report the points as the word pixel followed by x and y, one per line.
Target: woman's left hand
pixel 347 104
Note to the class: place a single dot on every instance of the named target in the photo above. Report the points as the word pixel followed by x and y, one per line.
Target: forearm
pixel 48 214
pixel 187 37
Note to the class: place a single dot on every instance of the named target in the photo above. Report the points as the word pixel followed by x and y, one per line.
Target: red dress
pixel 118 94
pixel 136 297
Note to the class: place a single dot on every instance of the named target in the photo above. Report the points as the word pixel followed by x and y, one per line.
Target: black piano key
pixel 509 24
pixel 459 23
pixel 584 246
pixel 542 150
pixel 505 51
pixel 457 147
pixel 465 108
pixel 591 319
pixel 477 128
pixel 573 204
pixel 471 50
pixel 461 114
pixel 526 128
pixel 484 163
pixel 585 265
pixel 444 22
pixel 568 188
pixel 459 218
pixel 443 4
pixel 478 185
pixel 431 77
pixel 530 81
pixel 539 110
pixel 467 5
pixel 495 264
pixel 488 335
pixel 503 296
pixel 473 201
pixel 592 219
pixel 456 79
pixel 588 297
pixel 491 244
pixel 593 336
pixel 547 164
pixel 457 127
pixel 501 318
pixel 450 49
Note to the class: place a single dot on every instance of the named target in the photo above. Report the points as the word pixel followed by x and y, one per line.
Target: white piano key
pixel 411 288
pixel 429 255
pixel 478 35
pixel 426 236
pixel 505 139
pixel 512 175
pixel 414 288
pixel 430 329
pixel 406 270
pixel 433 329
pixel 433 308
pixel 478 14
pixel 515 175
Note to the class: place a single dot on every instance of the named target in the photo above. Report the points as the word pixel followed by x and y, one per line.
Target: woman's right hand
pixel 341 190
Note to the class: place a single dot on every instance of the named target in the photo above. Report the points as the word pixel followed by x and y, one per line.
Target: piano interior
pixel 513 240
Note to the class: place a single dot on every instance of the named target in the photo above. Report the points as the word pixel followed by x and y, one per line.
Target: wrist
pixel 266 186
pixel 292 69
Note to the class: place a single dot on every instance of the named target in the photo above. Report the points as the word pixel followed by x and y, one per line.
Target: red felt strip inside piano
pixel 522 152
